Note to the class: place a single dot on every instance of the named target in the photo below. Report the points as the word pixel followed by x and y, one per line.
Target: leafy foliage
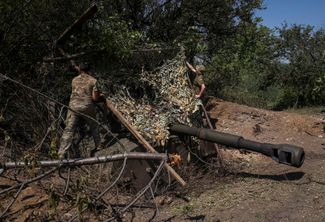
pixel 271 68
pixel 301 49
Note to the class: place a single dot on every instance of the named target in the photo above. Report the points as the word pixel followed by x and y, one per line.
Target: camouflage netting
pixel 165 97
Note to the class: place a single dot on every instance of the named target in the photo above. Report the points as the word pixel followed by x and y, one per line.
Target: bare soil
pixel 256 189
pixel 261 189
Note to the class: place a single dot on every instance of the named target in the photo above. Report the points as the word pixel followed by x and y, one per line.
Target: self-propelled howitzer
pixel 282 153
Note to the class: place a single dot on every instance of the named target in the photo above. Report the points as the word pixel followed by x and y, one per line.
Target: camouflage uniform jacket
pixel 81 96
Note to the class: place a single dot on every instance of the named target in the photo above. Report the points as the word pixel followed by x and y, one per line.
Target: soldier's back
pixel 82 87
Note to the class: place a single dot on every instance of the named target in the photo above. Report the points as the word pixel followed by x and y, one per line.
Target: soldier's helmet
pixel 200 68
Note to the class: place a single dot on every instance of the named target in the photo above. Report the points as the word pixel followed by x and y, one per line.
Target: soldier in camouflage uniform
pixel 199 88
pixel 85 92
pixel 198 82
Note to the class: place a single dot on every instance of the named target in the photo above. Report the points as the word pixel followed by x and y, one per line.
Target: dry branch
pixel 77 23
pixel 29 181
pixel 105 191
pixel 69 57
pixel 140 193
pixel 12 202
pixel 87 161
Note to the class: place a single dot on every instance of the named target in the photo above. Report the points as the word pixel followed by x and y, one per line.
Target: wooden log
pixel 77 23
pixel 142 141
pixel 87 161
pixel 70 57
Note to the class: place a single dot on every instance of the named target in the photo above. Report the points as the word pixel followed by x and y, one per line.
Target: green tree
pixel 242 71
pixel 301 52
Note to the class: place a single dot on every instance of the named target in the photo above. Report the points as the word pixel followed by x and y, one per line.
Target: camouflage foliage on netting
pixel 166 98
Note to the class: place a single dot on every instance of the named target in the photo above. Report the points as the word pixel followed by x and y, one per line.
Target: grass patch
pixel 259 215
pixel 184 209
pixel 316 110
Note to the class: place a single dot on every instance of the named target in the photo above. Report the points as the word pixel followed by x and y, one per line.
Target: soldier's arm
pixel 97 96
pixel 191 67
pixel 200 82
pixel 202 89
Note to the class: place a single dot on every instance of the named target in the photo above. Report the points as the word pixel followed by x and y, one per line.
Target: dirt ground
pixel 259 189
pixel 262 190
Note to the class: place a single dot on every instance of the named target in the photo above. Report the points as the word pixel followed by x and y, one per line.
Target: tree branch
pixel 12 202
pixel 70 57
pixel 87 161
pixel 140 193
pixel 29 181
pixel 106 190
pixel 83 18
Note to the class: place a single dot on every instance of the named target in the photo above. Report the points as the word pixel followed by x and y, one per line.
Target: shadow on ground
pixel 280 177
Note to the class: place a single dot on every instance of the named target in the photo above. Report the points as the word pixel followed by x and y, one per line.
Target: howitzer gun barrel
pixel 282 153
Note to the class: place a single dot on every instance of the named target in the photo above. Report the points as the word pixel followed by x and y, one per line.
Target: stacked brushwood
pixel 169 100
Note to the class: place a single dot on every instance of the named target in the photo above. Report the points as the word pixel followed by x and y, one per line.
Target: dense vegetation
pixel 273 69
pixel 246 62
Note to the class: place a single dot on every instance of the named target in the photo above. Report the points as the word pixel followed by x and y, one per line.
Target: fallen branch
pixel 87 161
pixel 12 202
pixel 29 181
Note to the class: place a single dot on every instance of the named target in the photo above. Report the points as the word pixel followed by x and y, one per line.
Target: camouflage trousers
pixel 73 121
